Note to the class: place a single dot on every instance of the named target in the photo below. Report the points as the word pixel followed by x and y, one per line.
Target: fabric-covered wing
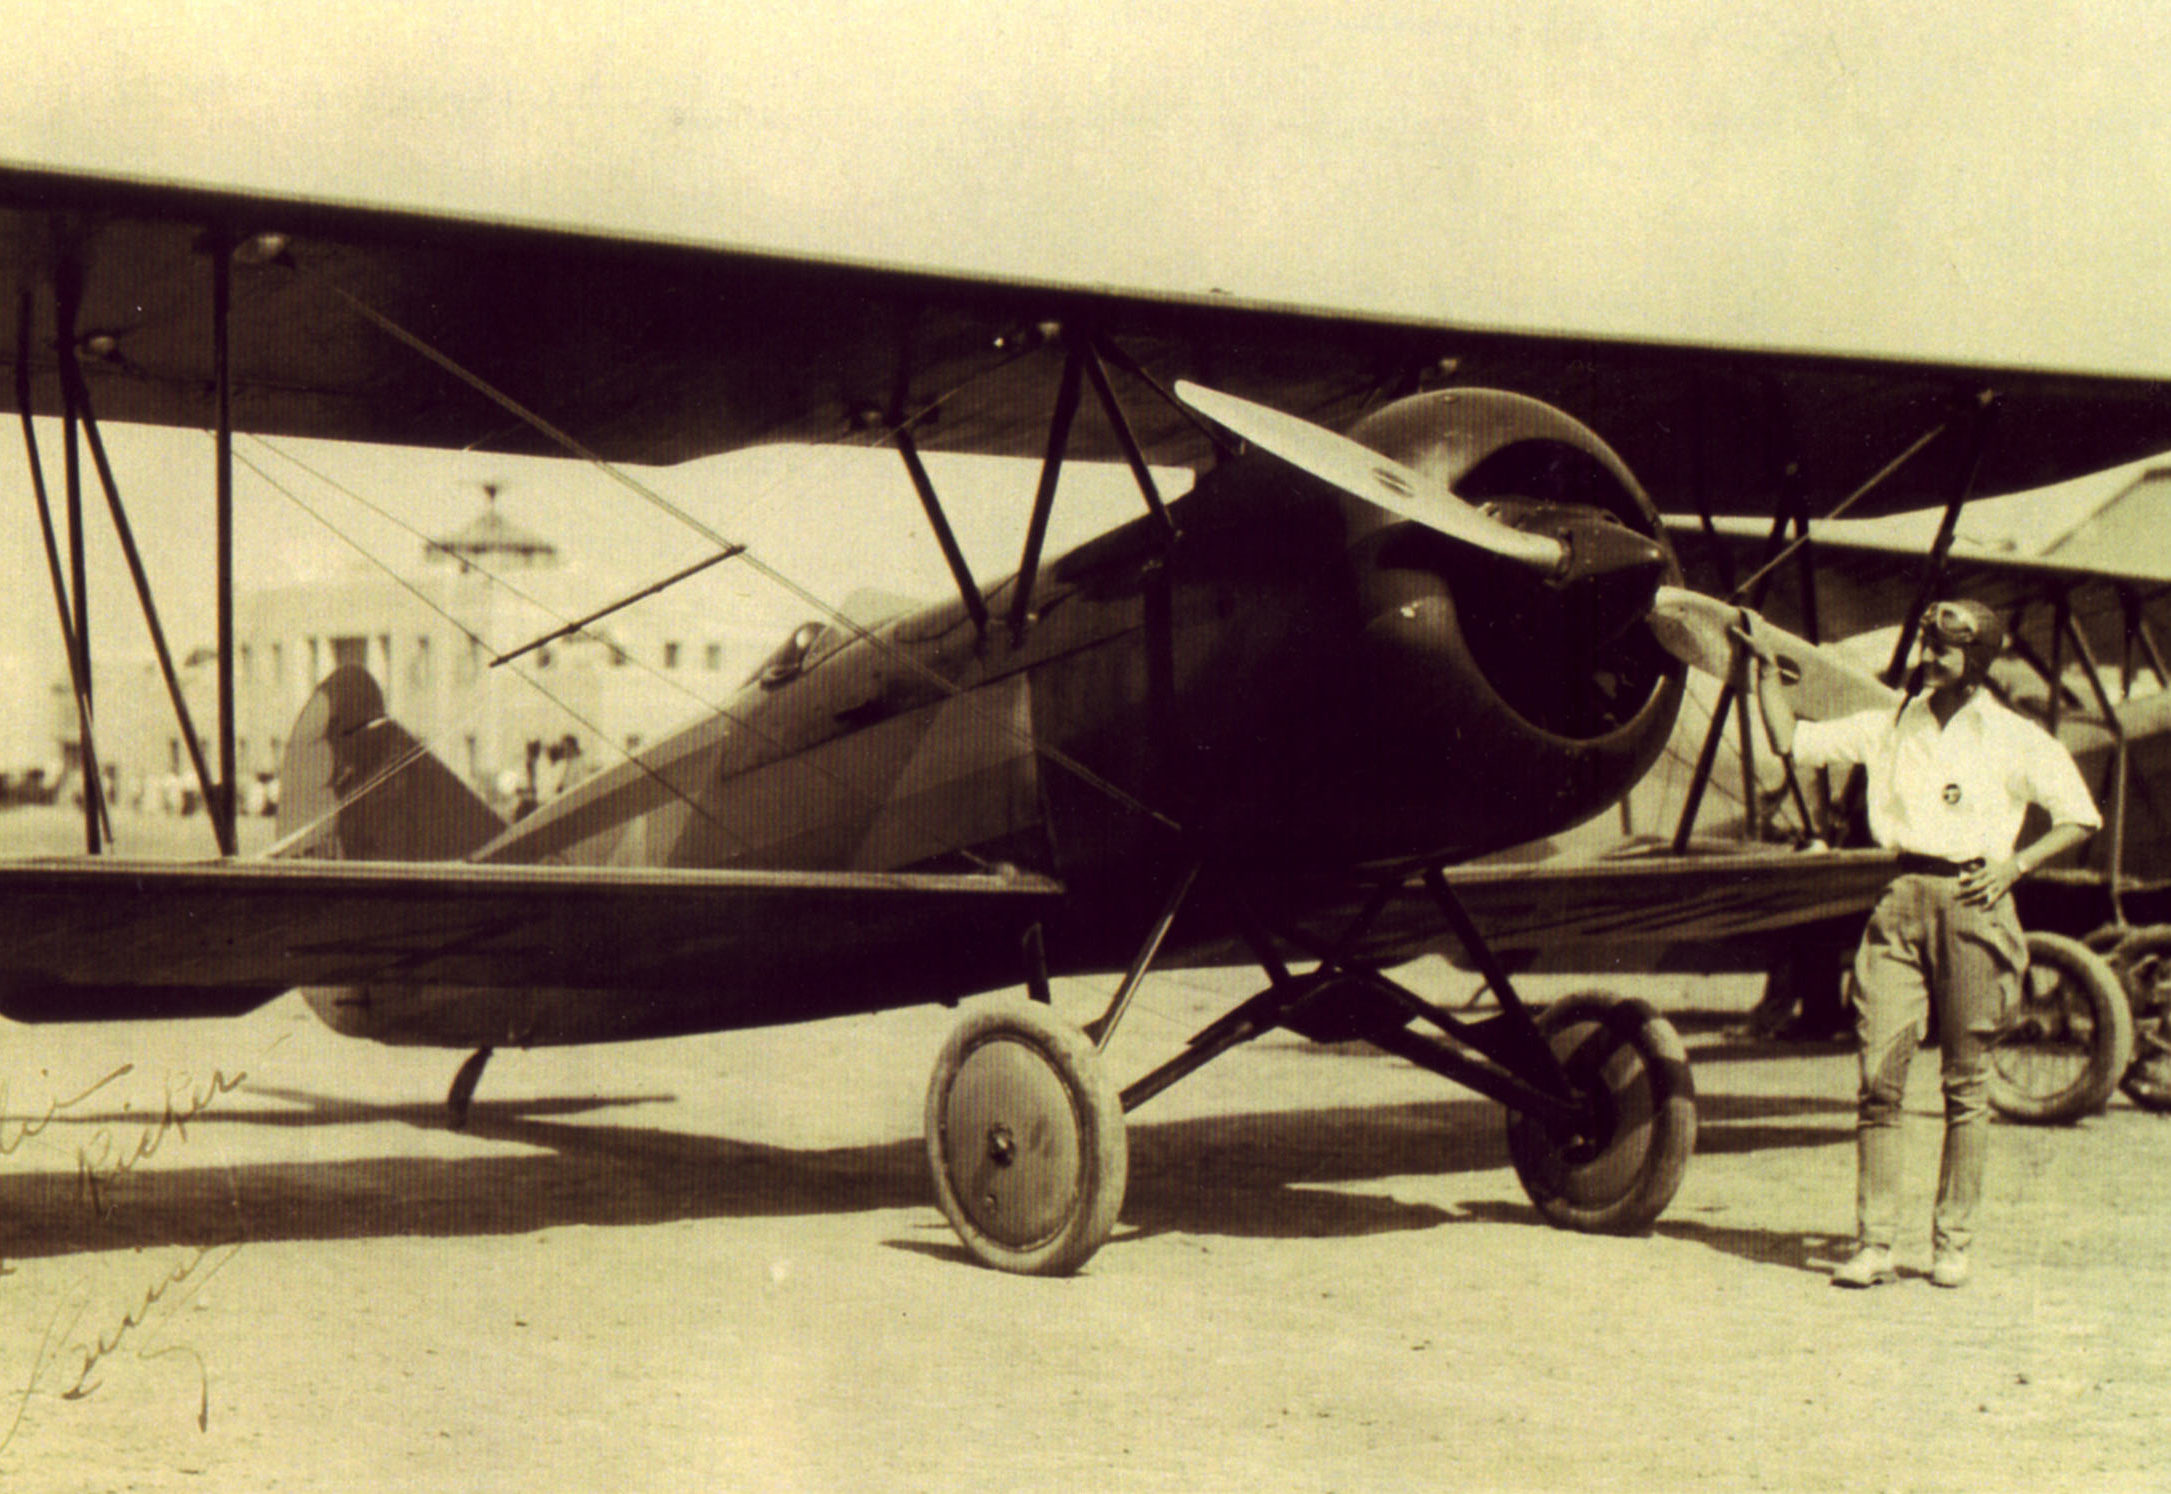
pixel 1668 899
pixel 1623 909
pixel 657 352
pixel 101 939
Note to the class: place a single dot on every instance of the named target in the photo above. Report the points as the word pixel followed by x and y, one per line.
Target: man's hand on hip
pixel 1986 885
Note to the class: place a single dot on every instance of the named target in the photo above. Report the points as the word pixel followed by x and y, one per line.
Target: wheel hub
pixel 1016 1139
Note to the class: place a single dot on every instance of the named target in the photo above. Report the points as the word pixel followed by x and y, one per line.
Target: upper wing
pixel 373 325
pixel 81 940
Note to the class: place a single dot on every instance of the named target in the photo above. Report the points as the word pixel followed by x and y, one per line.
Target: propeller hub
pixel 1609 573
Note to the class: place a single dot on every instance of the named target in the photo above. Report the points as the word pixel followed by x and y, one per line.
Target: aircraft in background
pixel 1274 721
pixel 2087 620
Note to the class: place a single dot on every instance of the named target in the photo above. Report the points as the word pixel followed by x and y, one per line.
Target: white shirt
pixel 1959 791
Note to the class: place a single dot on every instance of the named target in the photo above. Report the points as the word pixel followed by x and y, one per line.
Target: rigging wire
pixel 869 795
pixel 475 639
pixel 649 495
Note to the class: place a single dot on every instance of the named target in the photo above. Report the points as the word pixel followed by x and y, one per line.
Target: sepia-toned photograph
pixel 1411 746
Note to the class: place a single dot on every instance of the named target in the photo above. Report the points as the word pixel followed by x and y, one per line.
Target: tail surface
pixel 355 785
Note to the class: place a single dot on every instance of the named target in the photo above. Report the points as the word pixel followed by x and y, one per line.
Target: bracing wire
pixel 462 628
pixel 903 657
pixel 867 794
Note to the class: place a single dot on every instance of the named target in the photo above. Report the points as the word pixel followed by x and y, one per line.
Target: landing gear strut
pixel 1026 1139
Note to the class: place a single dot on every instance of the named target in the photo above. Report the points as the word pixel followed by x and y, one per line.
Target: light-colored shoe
pixel 1865 1268
pixel 1949 1268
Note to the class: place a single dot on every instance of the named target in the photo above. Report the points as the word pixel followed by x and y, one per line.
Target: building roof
pixel 492 536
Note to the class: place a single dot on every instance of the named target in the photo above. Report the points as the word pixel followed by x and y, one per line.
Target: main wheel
pixel 1620 1177
pixel 1026 1140
pixel 2066 1043
pixel 2143 963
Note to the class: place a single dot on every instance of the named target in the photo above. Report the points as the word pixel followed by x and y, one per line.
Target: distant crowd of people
pixel 549 770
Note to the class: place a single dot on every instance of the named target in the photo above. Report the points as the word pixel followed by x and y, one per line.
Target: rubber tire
pixel 2143 963
pixel 1624 1187
pixel 1097 1141
pixel 2085 974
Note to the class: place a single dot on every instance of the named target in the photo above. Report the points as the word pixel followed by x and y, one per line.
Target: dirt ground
pixel 249 1255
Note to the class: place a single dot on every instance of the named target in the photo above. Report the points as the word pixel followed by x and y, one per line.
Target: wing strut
pixel 1059 435
pixel 1084 358
pixel 2119 754
pixel 937 520
pixel 1933 564
pixel 1751 589
pixel 72 376
pixel 1706 757
pixel 1051 472
pixel 67 296
pixel 1086 354
pixel 1878 480
pixel 1127 439
pixel 225 804
pixel 95 814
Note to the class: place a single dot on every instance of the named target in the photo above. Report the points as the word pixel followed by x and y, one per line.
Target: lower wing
pixel 106 939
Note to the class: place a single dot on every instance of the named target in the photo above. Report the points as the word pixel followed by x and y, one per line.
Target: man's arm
pixel 2054 782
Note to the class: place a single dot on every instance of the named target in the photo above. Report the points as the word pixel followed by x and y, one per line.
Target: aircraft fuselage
pixel 1290 690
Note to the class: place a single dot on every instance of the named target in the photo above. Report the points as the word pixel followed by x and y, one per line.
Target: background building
pixel 428 632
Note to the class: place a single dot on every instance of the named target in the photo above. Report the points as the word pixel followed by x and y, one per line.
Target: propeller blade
pixel 1706 633
pixel 1693 628
pixel 1363 473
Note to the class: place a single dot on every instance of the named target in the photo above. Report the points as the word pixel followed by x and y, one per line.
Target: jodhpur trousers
pixel 1924 946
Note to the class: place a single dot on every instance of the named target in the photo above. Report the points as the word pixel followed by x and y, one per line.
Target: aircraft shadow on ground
pixel 1771 1050
pixel 1729 1124
pixel 1286 1174
pixel 1814 1253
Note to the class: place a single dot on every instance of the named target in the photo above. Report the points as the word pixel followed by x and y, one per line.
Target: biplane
pixel 1400 620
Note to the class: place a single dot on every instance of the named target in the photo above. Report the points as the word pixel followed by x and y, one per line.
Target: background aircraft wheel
pixel 2143 963
pixel 1026 1139
pixel 2067 1042
pixel 1620 1179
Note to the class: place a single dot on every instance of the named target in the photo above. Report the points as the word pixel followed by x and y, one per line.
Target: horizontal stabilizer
pixel 356 785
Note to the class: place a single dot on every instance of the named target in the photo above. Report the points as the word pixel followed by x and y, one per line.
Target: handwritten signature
pixel 12 1141
pixel 98 1162
pixel 25 1130
pixel 89 1355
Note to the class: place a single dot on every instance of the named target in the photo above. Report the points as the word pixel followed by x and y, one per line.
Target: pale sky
pixel 1942 179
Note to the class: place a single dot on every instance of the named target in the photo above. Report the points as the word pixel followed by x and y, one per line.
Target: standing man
pixel 1951 775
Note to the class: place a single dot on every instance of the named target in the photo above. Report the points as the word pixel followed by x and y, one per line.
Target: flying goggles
pixel 1966 625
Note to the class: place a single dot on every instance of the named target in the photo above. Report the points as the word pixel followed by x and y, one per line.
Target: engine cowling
pixel 1539 699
